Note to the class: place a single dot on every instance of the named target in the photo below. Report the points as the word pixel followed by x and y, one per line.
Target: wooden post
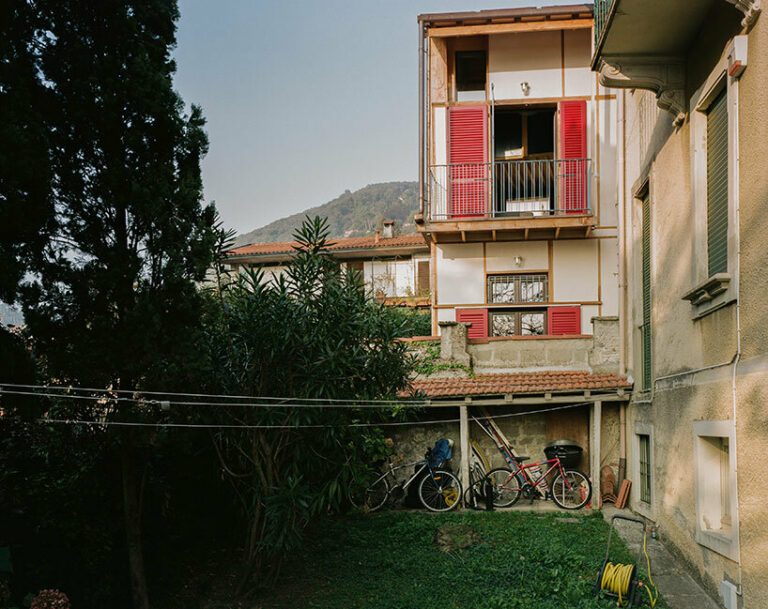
pixel 464 433
pixel 595 420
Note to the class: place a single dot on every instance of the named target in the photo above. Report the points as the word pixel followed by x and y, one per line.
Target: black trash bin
pixel 568 451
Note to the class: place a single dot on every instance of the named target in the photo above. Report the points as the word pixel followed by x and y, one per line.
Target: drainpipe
pixel 737 356
pixel 421 118
pixel 621 215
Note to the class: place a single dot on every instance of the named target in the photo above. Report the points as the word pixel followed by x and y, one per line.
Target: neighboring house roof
pixel 414 241
pixel 520 382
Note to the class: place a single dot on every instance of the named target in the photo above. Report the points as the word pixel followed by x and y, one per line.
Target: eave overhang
pixel 643 45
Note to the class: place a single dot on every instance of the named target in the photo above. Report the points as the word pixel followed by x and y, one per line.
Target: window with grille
pixel 645 467
pixel 518 288
pixel 645 328
pixel 518 323
pixel 717 184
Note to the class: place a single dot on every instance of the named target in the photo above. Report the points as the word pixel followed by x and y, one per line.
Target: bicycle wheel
pixel 373 497
pixel 572 492
pixel 506 487
pixel 440 492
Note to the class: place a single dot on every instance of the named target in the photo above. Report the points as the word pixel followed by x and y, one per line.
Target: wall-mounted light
pixel 518 260
pixel 525 87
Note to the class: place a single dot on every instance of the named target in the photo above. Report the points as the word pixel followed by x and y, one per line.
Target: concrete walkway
pixel 679 589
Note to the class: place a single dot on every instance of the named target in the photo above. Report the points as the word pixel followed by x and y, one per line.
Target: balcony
pixel 509 196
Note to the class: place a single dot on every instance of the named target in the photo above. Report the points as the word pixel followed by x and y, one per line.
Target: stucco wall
pixel 681 342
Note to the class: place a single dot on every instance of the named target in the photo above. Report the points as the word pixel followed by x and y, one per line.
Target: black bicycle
pixel 439 490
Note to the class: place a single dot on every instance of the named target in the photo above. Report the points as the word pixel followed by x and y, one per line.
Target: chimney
pixel 376 236
pixel 389 229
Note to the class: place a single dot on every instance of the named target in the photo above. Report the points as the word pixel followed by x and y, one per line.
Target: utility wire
pixel 285 402
pixel 319 426
pixel 69 388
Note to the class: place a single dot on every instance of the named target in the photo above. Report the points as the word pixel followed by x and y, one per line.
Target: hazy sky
pixel 304 99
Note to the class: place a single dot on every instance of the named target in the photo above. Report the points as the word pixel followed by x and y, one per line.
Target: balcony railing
pixel 602 8
pixel 508 189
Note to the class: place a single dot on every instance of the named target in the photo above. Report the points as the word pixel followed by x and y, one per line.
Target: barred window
pixel 518 288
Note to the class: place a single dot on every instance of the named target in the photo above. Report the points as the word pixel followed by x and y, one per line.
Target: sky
pixel 304 99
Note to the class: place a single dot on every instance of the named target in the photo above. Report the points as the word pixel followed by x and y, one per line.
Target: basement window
pixel 716 525
pixel 470 75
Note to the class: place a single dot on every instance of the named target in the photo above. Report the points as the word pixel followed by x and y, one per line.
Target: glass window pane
pixel 503 324
pixel 531 323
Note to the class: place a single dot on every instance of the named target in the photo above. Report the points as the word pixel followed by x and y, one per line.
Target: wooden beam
pixel 464 435
pixel 526 234
pixel 589 231
pixel 557 232
pixel 464 236
pixel 595 420
pixel 509 28
pixel 493 233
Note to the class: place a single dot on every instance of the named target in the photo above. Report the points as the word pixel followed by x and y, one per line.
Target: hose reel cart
pixel 621 581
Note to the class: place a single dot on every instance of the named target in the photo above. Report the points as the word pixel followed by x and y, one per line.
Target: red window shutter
pixel 564 320
pixel 468 157
pixel 573 155
pixel 479 320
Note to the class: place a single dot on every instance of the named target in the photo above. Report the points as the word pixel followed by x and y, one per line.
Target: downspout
pixel 622 287
pixel 421 118
pixel 737 357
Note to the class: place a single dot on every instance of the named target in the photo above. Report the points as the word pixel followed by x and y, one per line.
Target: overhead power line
pixel 318 426
pixel 283 402
pixel 70 388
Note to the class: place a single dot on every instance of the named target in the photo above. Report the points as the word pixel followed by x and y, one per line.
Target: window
pixel 716 521
pixel 517 288
pixel 518 323
pixel 714 146
pixel 645 328
pixel 470 75
pixel 644 442
pixel 717 184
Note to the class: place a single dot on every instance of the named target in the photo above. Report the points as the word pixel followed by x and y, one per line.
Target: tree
pixel 313 333
pixel 26 207
pixel 112 300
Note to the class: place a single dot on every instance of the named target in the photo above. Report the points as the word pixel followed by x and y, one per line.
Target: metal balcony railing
pixel 502 189
pixel 602 8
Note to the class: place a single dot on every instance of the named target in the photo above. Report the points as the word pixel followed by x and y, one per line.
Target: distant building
pixel 395 269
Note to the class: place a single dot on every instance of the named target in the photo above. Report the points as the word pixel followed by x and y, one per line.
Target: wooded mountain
pixel 352 214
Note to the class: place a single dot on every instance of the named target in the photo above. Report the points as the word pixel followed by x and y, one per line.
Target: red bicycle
pixel 570 488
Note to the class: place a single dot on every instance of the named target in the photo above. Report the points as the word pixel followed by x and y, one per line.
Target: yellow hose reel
pixel 621 581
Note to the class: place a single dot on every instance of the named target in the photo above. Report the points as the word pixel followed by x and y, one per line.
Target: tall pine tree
pixel 112 299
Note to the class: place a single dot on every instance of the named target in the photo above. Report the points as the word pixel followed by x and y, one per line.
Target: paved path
pixel 679 589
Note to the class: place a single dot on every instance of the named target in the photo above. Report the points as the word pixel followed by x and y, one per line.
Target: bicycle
pixel 570 488
pixel 439 490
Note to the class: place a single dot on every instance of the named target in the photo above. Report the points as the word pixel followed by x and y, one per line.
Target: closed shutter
pixel 422 278
pixel 467 155
pixel 717 185
pixel 479 320
pixel 645 329
pixel 572 167
pixel 564 320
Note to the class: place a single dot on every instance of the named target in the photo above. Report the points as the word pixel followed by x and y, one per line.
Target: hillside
pixel 353 214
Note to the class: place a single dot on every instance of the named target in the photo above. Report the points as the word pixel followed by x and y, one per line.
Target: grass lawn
pixel 391 561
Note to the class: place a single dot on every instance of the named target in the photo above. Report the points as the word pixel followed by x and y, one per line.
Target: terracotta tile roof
pixel 350 243
pixel 520 382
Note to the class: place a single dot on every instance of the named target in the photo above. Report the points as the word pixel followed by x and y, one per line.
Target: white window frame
pixel 716 292
pixel 707 477
pixel 642 507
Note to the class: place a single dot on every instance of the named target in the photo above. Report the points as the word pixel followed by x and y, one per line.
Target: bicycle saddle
pixel 520 459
